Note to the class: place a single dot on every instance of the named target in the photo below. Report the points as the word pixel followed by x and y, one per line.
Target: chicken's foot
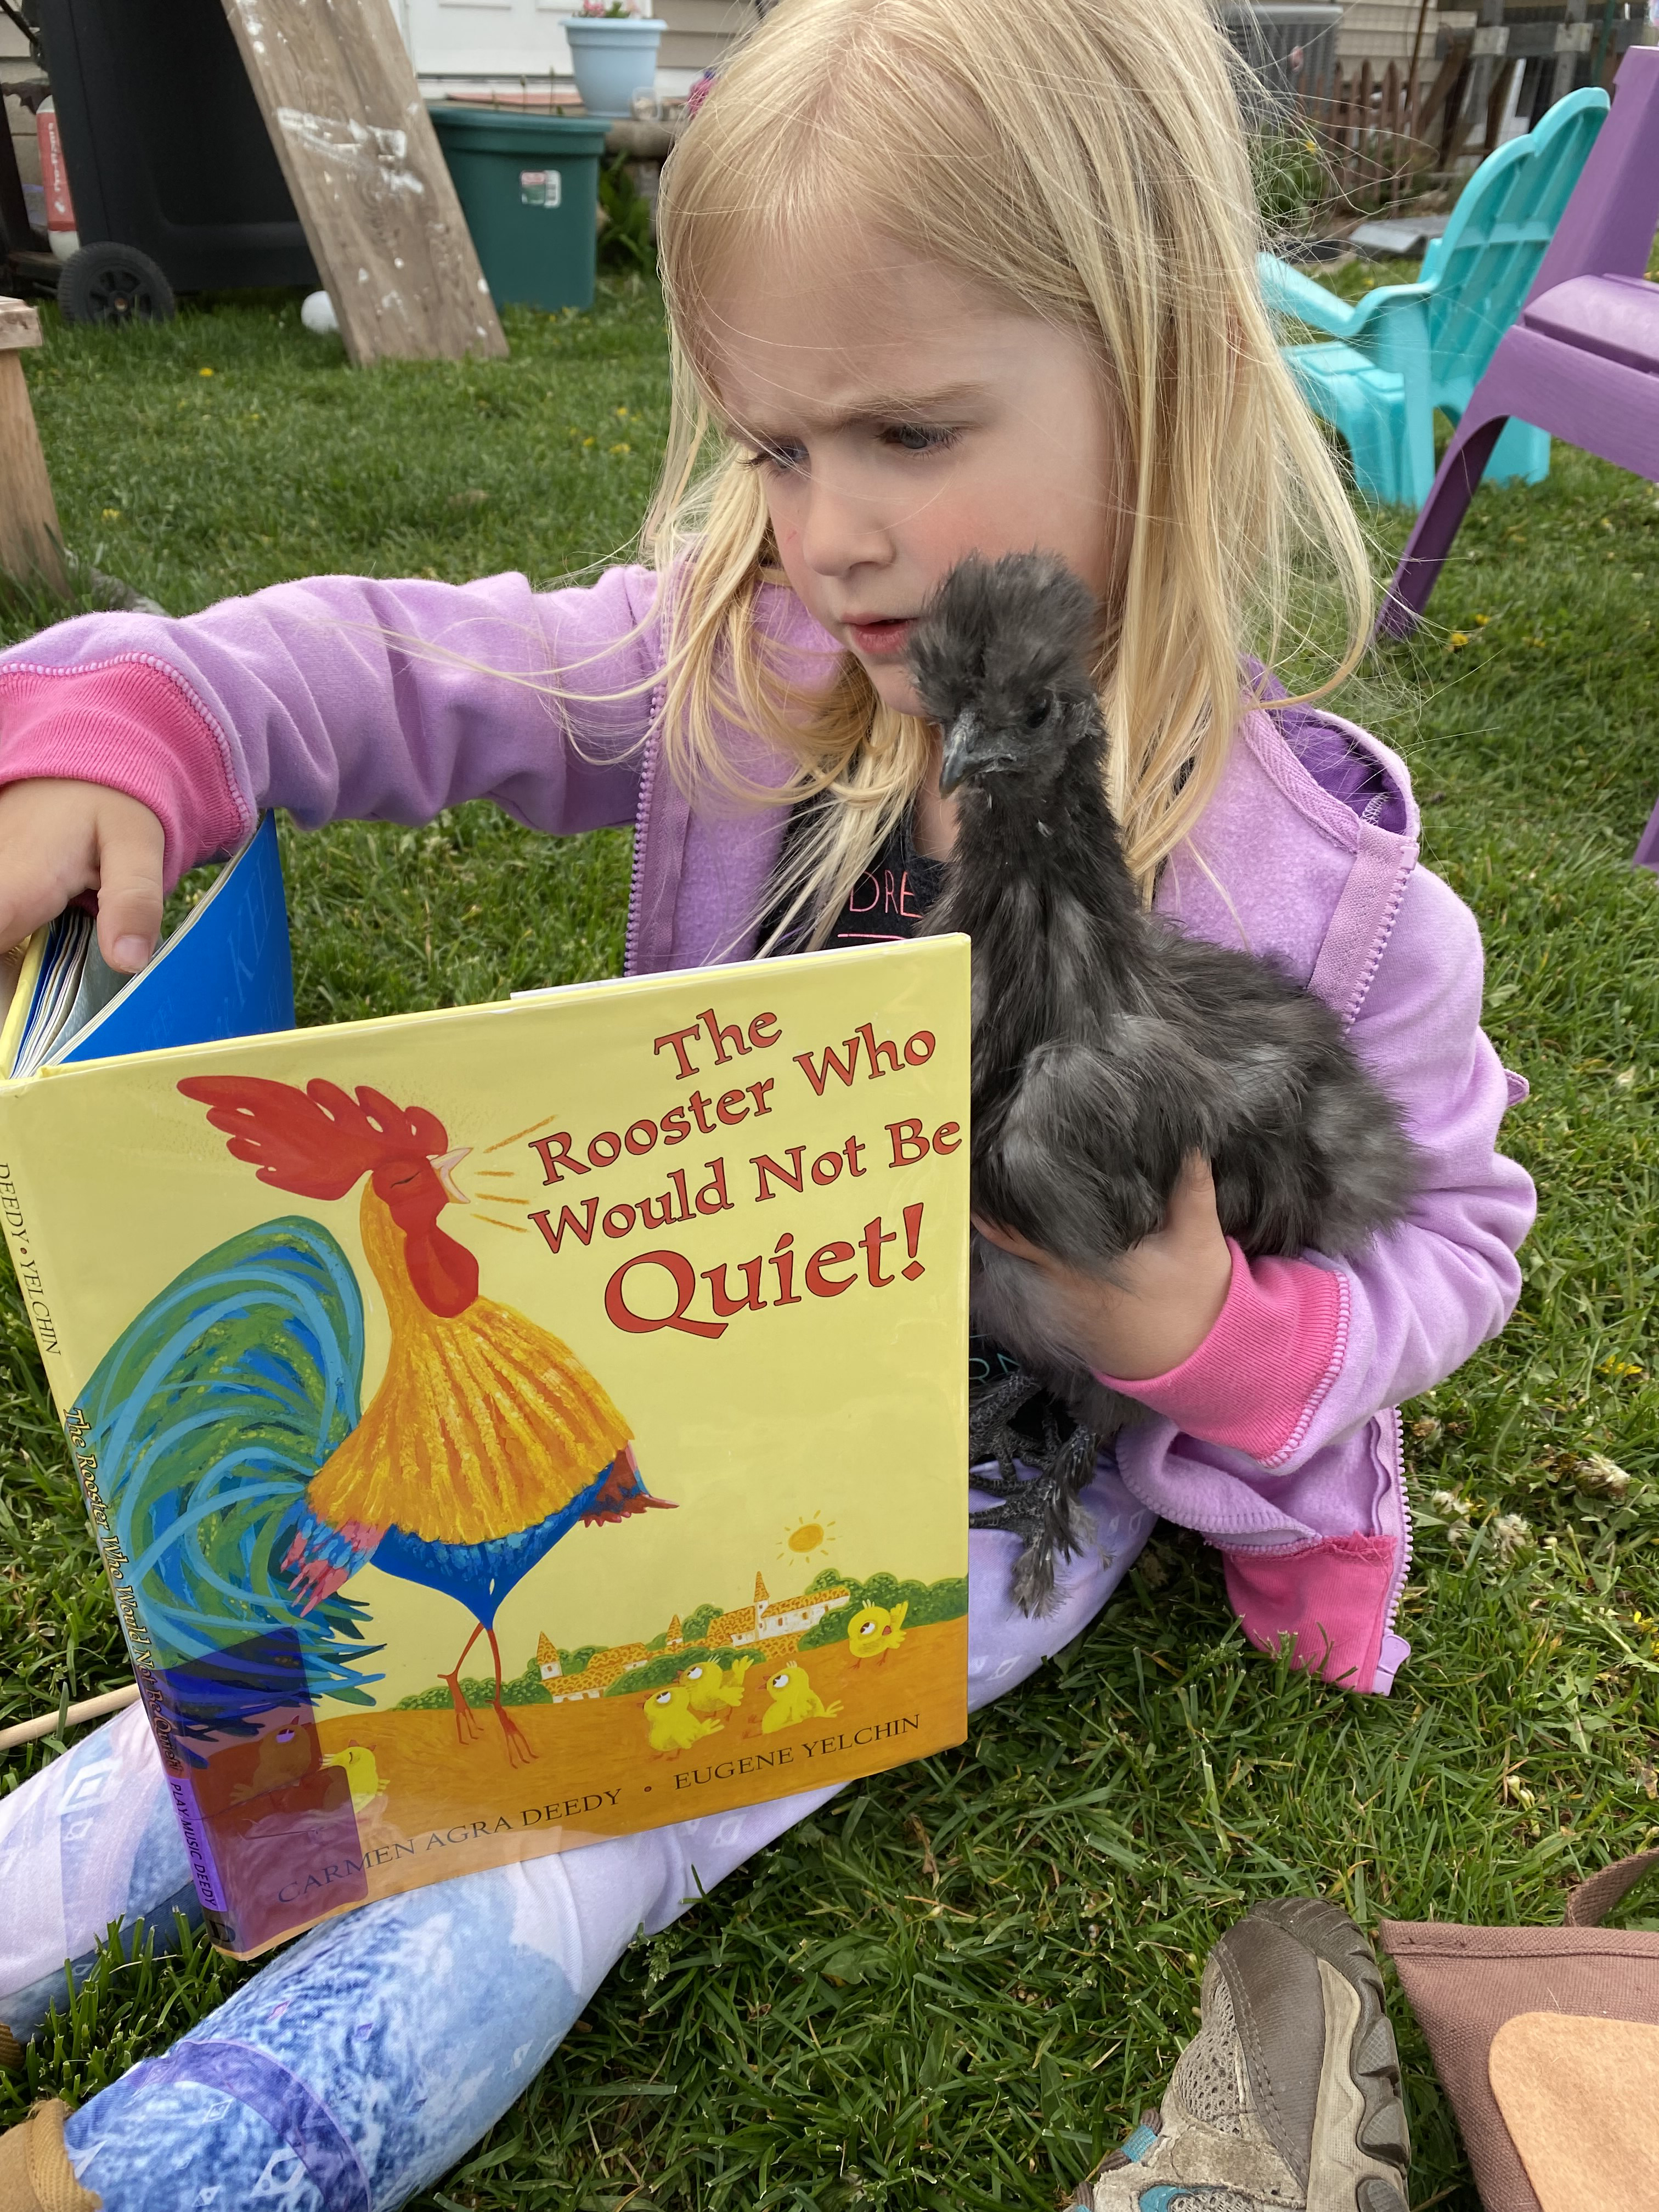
pixel 519 1752
pixel 466 1727
pixel 1041 1508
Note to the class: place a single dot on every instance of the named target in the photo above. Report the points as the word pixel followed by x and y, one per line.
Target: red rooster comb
pixel 317 1142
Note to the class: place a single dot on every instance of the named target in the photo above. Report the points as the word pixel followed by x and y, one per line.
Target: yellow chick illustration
pixel 794 1700
pixel 284 1756
pixel 362 1776
pixel 713 1690
pixel 874 1630
pixel 670 1724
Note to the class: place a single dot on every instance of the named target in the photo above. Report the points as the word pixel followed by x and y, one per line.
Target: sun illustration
pixel 815 1534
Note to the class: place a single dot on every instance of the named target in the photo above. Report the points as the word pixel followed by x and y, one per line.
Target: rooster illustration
pixel 244 1487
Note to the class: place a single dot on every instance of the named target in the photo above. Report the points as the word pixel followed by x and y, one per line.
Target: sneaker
pixel 1288 2098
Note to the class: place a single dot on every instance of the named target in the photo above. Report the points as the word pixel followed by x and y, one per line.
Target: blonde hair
pixel 1084 161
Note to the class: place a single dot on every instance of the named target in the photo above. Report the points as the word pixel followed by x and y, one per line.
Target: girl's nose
pixel 841 531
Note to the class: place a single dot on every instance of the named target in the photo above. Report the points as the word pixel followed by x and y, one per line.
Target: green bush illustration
pixel 657 1674
pixel 924 1603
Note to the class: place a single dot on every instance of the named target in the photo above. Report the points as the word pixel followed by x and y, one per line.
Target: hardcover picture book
pixel 508 1426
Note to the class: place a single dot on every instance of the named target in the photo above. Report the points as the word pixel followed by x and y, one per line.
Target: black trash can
pixel 170 164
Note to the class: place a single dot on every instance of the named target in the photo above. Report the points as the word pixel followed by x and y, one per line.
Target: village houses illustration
pixel 776 1624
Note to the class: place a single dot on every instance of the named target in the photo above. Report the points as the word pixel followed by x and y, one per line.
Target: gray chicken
pixel 1107 1048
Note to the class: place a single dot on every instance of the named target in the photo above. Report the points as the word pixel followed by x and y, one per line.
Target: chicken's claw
pixel 1043 1508
pixel 466 1726
pixel 518 1752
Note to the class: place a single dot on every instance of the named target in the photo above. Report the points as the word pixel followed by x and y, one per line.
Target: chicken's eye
pixel 1037 716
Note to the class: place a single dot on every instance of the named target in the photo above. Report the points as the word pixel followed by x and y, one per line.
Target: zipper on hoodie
pixel 1402 1571
pixel 648 780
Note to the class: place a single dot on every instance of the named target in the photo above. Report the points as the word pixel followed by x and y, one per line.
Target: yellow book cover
pixel 512 1427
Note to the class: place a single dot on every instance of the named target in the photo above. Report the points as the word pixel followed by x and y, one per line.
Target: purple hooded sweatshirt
pixel 340 697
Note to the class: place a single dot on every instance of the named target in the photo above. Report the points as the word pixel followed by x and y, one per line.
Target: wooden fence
pixel 1379 131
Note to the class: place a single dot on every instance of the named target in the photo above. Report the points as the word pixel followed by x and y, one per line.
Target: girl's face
pixel 901 418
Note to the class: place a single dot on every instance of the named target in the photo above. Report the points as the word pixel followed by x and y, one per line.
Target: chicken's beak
pixel 958 751
pixel 444 1165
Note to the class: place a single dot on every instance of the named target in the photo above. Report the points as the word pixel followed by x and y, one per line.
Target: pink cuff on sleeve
pixel 1255 1382
pixel 134 724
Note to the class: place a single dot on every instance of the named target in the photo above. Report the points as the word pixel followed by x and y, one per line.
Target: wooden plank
pixel 338 92
pixel 31 542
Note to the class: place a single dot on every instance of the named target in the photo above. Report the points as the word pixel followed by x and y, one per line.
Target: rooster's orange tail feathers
pixel 318 1142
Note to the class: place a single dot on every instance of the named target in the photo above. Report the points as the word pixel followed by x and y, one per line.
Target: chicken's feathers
pixel 200 1429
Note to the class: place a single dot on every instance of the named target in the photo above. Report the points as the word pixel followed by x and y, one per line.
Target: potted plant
pixel 613 53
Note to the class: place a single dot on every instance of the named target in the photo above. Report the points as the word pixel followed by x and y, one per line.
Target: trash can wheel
pixel 113 283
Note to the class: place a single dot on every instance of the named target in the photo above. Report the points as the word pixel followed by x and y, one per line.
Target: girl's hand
pixel 59 838
pixel 1165 1295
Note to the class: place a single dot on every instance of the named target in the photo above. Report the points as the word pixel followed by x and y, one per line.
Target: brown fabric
pixel 1463 1983
pixel 35 2173
pixel 1579 2097
pixel 1591 1902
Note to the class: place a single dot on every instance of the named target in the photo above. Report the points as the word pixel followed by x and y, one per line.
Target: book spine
pixel 17 1219
pixel 176 1768
pixel 23 1244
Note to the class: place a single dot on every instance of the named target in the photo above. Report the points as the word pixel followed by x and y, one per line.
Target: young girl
pixel 944 275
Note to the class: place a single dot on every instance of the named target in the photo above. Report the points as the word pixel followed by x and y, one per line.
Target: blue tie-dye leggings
pixel 369 2057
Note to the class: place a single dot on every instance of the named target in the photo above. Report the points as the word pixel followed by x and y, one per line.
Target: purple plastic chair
pixel 1582 361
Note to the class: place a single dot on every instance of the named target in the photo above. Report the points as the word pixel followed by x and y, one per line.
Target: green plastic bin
pixel 529 187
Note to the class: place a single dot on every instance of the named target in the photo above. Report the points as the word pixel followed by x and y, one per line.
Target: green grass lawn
pixel 958 1985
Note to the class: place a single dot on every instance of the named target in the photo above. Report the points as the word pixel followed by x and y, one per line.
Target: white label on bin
pixel 540 187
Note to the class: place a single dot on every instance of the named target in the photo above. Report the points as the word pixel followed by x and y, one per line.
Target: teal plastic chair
pixel 1406 349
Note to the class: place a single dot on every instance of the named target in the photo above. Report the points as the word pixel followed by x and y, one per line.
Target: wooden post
pixel 31 542
pixel 338 92
pixel 1390 133
pixel 1572 39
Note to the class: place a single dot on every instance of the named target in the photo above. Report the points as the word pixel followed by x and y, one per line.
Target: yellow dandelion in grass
pixel 622 449
pixel 111 514
pixel 812 1535
pixel 205 371
pixel 1457 641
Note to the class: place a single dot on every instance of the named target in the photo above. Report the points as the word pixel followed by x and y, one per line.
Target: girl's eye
pixel 919 437
pixel 786 456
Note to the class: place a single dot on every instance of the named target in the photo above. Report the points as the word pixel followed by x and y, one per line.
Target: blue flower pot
pixel 612 58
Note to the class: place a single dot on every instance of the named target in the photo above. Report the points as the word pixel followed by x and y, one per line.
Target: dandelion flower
pixel 205 371
pixel 1457 641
